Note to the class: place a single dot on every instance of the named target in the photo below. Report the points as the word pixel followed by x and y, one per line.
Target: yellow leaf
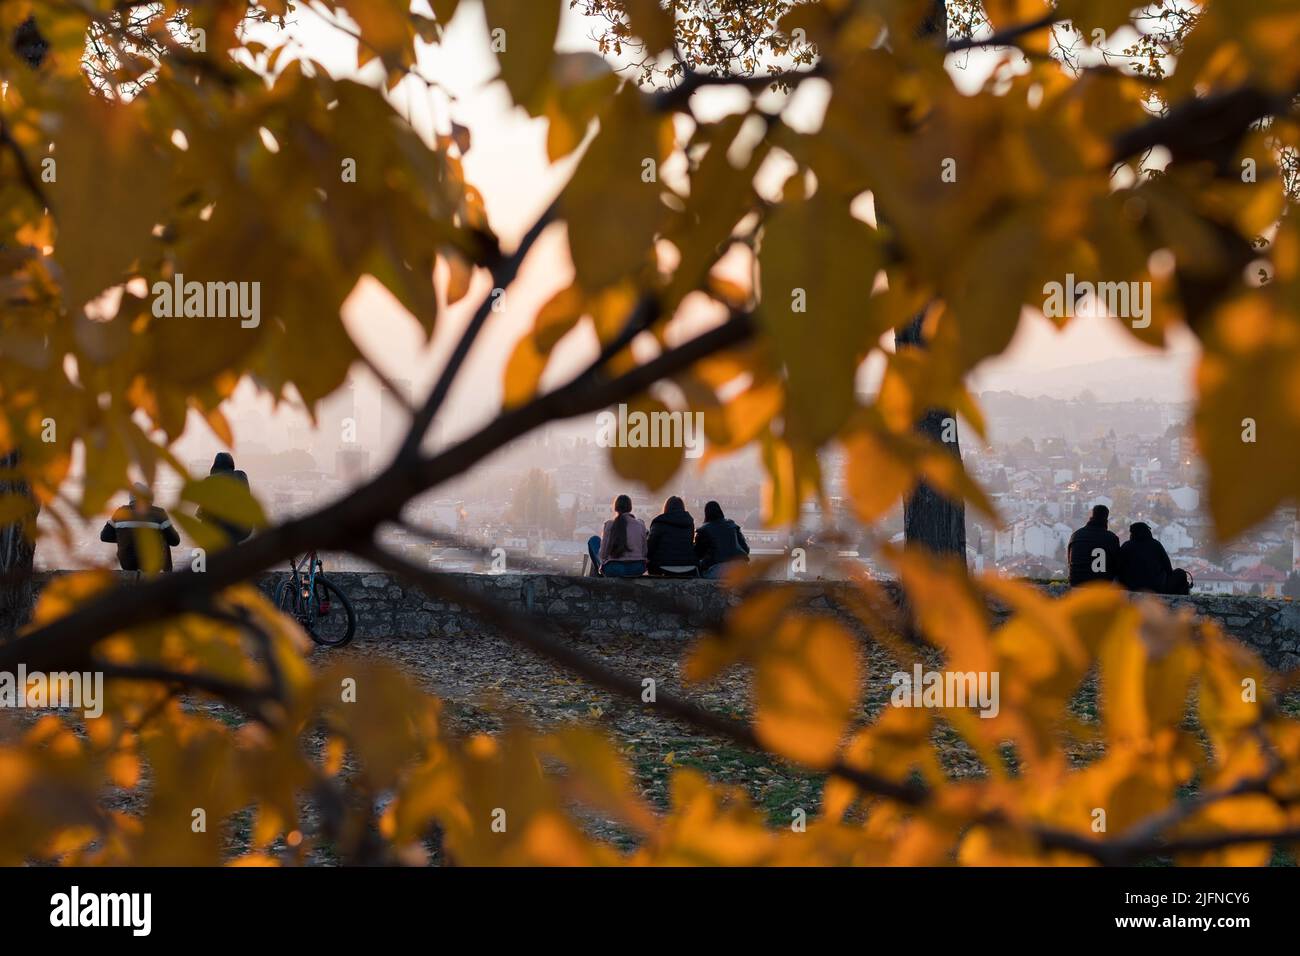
pixel 806 688
pixel 619 171
pixel 633 456
pixel 523 38
pixel 818 271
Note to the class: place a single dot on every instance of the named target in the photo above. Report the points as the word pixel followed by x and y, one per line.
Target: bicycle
pixel 311 598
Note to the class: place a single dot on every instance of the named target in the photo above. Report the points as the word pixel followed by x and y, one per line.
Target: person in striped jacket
pixel 130 524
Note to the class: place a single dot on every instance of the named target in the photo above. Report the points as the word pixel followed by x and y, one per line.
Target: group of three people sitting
pixel 671 547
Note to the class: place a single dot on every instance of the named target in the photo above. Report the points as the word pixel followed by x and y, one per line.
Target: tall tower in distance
pixel 337 415
pixel 394 419
pixel 1295 540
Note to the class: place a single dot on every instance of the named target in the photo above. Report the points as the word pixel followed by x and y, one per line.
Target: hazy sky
pixel 507 162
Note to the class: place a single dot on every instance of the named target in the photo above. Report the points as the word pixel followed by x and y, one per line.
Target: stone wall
pixel 657 609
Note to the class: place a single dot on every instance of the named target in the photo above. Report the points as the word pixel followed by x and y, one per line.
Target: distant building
pixel 1185 497
pixel 1295 542
pixel 1175 538
pixel 394 419
pixel 1213 582
pixel 337 414
pixel 1265 577
pixel 351 465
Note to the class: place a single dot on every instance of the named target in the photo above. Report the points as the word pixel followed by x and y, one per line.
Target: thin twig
pixel 502 275
pixel 68 640
pixel 1006 36
pixel 523 631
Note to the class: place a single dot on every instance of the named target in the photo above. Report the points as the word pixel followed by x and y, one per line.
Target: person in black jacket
pixel 128 526
pixel 670 551
pixel 1144 563
pixel 1093 552
pixel 223 470
pixel 718 542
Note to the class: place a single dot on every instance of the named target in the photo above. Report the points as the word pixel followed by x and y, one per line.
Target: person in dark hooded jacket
pixel 223 469
pixel 670 548
pixel 1093 552
pixel 1144 563
pixel 132 523
pixel 719 541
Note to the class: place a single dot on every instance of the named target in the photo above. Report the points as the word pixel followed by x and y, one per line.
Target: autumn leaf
pixel 619 170
pixel 806 686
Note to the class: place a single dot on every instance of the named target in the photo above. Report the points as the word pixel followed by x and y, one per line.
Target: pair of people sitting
pixel 1140 564
pixel 670 547
pixel 145 535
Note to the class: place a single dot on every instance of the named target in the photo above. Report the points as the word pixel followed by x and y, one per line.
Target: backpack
pixel 1180 581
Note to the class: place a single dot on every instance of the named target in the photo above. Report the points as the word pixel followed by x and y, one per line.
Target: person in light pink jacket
pixel 620 552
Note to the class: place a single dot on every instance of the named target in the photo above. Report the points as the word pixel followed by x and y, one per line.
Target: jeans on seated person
pixel 675 571
pixel 612 568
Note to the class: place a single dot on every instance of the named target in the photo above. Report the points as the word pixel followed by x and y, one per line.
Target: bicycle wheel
pixel 286 598
pixel 332 622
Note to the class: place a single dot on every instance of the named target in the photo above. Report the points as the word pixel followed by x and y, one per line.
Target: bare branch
pixel 523 631
pixel 68 640
pixel 679 95
pixel 1005 37
pixel 1202 128
pixel 25 171
pixel 502 275
pixel 252 700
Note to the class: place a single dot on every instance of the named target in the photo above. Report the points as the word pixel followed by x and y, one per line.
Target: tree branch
pixel 339 526
pixel 524 632
pixel 502 275
pixel 678 96
pixel 1004 37
pixel 252 700
pixel 25 172
pixel 1202 128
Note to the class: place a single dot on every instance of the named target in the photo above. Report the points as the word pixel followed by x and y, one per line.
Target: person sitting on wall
pixel 1144 563
pixel 620 552
pixel 224 470
pixel 1093 552
pixel 143 533
pixel 671 549
pixel 719 542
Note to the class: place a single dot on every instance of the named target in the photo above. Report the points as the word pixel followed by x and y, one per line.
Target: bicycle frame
pixel 302 574
pixel 307 595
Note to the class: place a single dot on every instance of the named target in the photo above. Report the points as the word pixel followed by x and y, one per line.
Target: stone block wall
pixel 675 610
pixel 659 609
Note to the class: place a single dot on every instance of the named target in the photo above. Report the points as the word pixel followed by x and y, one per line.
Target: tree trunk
pixel 17 554
pixel 18 540
pixel 929 519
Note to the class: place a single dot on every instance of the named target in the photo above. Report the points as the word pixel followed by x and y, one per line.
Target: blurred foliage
pixel 161 140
